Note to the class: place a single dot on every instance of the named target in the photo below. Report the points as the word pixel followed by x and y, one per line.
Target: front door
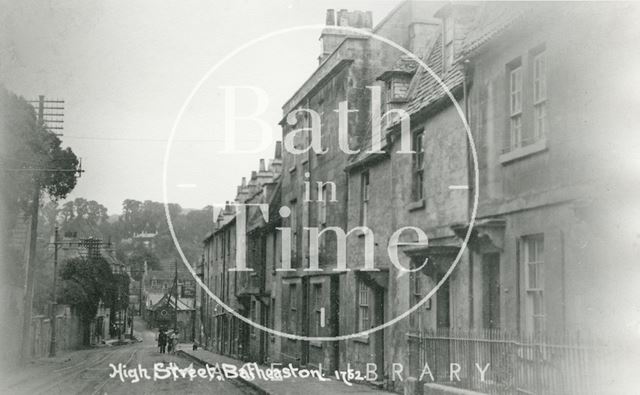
pixel 442 304
pixel 378 336
pixel 442 348
pixel 491 290
pixel 264 336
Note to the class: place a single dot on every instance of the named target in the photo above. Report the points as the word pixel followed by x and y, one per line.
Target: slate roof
pixel 170 301
pixel 424 88
pixel 489 21
pixel 405 64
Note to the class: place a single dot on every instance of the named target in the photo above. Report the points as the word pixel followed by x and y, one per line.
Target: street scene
pixel 340 196
pixel 83 372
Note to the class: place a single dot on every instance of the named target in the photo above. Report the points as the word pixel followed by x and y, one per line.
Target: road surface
pixel 88 372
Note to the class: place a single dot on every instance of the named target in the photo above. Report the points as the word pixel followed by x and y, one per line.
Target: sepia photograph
pixel 285 197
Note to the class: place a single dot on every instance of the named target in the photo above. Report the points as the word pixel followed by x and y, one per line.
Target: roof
pixel 424 90
pixel 170 301
pixel 404 65
pixel 153 298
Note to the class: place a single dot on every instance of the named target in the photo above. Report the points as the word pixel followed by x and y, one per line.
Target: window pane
pixel 516 91
pixel 516 131
pixel 534 265
pixel 400 89
pixel 318 296
pixel 540 120
pixel 538 306
pixel 539 78
pixel 318 323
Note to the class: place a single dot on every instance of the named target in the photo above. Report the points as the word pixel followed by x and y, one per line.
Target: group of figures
pixel 167 341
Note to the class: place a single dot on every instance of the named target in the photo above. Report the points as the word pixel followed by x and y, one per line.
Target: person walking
pixel 174 341
pixel 162 341
pixel 169 338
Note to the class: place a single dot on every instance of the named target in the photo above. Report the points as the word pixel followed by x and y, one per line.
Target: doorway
pixel 491 290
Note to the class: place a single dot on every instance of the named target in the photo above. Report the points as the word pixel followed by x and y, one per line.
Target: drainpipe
pixel 470 193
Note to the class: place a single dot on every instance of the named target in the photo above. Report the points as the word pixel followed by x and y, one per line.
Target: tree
pixel 137 260
pixel 86 282
pixel 31 155
pixel 33 163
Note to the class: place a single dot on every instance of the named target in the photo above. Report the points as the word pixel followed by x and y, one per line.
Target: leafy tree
pixel 31 159
pixel 118 295
pixel 86 282
pixel 137 259
pixel 31 155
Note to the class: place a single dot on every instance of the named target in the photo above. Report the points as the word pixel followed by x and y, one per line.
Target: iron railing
pixel 518 364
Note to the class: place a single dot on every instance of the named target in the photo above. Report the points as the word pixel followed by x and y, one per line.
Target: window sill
pixel 362 339
pixel 523 152
pixel 417 205
pixel 316 344
pixel 292 169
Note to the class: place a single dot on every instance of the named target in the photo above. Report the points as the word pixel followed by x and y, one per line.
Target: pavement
pixel 291 385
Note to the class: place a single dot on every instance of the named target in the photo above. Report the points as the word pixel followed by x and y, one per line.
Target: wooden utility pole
pixel 52 345
pixel 175 284
pixel 28 293
pixel 50 121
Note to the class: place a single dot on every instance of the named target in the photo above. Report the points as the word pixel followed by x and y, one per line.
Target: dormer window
pixel 448 34
pixel 397 88
pixel 396 85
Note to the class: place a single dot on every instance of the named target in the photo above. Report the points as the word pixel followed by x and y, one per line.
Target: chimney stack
pixel 332 36
pixel 331 17
pixel 262 167
pixel 278 154
pixel 343 17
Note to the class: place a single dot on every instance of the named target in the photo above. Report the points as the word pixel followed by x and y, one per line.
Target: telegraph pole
pixel 144 270
pixel 50 121
pixel 28 294
pixel 175 283
pixel 54 319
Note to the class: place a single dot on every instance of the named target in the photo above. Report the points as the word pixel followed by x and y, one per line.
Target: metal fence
pixel 518 364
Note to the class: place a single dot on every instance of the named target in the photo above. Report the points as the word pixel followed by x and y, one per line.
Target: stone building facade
pixel 249 293
pixel 549 242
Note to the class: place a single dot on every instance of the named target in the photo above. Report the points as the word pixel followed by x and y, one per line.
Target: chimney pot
pixel 278 154
pixel 368 20
pixel 343 17
pixel 262 168
pixel 331 17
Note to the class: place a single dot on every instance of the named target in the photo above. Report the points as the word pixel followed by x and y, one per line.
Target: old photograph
pixel 319 197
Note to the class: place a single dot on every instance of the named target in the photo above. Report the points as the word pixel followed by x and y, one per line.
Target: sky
pixel 126 68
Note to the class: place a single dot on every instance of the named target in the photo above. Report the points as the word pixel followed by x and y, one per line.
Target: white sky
pixel 125 68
